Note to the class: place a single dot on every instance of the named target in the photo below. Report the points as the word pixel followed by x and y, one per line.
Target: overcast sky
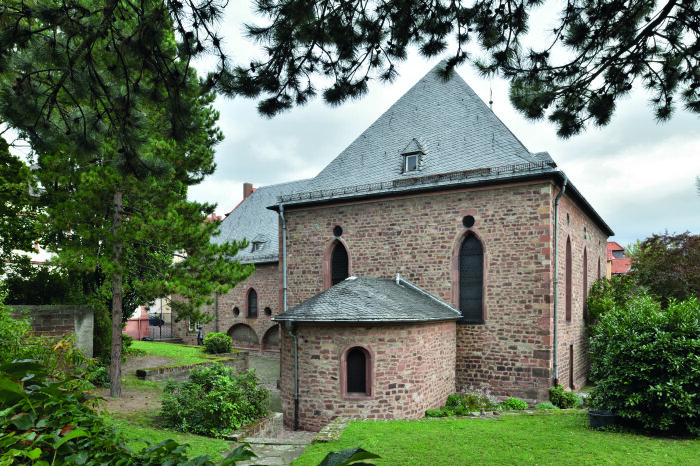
pixel 638 174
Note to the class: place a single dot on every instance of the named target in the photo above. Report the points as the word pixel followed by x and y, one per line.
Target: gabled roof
pixel 252 221
pixel 613 246
pixel 371 300
pixel 446 122
pixel 460 142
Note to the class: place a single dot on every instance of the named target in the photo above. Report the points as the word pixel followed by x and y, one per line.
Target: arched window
pixel 356 373
pixel 339 264
pixel 585 283
pixel 471 280
pixel 567 279
pixel 599 271
pixel 252 304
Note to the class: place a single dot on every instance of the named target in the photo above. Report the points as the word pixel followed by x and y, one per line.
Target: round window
pixel 468 221
pixel 268 311
pixel 337 231
pixel 236 312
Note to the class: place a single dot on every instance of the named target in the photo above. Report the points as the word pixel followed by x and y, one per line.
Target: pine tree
pixel 17 207
pixel 120 127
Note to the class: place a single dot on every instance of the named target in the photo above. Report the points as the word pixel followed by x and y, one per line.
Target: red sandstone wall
pixel 265 282
pixel 572 334
pixel 419 236
pixel 413 371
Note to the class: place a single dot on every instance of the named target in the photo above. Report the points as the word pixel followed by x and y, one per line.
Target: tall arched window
pixel 356 371
pixel 599 271
pixel 471 280
pixel 252 304
pixel 339 264
pixel 567 279
pixel 585 282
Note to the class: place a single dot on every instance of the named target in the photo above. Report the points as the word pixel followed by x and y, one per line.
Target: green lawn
pixel 561 438
pixel 180 354
pixel 141 426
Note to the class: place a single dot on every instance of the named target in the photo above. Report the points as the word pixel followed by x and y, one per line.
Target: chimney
pixel 247 190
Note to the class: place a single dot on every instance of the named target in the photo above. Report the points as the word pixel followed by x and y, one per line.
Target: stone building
pixel 440 192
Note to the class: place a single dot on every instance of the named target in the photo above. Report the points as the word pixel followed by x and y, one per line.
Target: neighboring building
pixel 617 261
pixel 246 312
pixel 440 192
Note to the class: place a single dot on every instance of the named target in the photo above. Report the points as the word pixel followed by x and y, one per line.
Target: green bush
pixel 545 405
pixel 513 404
pixel 606 294
pixel 564 399
pixel 44 423
pixel 217 343
pixel 646 364
pixel 213 401
pixel 435 413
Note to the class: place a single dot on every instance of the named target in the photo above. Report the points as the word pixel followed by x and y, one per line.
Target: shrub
pixel 606 294
pixel 213 401
pixel 435 413
pixel 478 398
pixel 217 343
pixel 646 364
pixel 513 404
pixel 545 405
pixel 43 423
pixel 564 399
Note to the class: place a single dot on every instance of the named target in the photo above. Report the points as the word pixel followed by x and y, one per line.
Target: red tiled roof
pixel 613 246
pixel 621 266
pixel 213 217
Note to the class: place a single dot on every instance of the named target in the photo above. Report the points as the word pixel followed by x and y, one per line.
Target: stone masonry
pixel 412 370
pixel 419 236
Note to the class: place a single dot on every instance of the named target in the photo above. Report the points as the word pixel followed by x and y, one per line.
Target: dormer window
pixel 256 246
pixel 258 243
pixel 410 162
pixel 412 154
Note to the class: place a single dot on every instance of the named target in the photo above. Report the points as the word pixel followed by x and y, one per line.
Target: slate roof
pixel 444 120
pixel 460 141
pixel 371 300
pixel 252 221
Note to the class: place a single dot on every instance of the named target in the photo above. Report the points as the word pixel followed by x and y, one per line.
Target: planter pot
pixel 601 418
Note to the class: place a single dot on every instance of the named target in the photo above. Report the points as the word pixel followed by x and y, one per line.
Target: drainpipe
pixel 289 325
pixel 556 280
pixel 216 312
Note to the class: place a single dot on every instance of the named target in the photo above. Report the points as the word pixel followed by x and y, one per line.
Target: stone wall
pixel 420 235
pixel 412 370
pixel 254 334
pixel 583 234
pixel 63 320
pixel 238 361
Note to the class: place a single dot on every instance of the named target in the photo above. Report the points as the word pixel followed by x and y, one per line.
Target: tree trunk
pixel 115 368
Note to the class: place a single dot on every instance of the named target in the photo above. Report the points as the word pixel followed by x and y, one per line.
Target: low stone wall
pixel 58 321
pixel 238 361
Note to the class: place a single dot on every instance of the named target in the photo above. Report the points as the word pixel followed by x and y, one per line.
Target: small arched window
pixel 567 279
pixel 356 366
pixel 339 264
pixel 252 304
pixel 585 283
pixel 471 280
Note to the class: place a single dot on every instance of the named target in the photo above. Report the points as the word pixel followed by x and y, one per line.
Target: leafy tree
pixel 605 295
pixel 669 265
pixel 16 207
pixel 634 249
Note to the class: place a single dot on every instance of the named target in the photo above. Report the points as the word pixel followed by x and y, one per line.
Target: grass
pixel 178 353
pixel 140 426
pixel 560 438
